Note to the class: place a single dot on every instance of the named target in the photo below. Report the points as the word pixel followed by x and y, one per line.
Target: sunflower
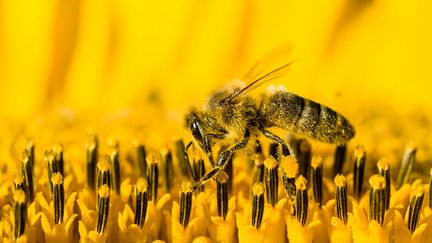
pixel 94 94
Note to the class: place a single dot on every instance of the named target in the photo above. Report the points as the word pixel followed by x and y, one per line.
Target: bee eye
pixel 195 129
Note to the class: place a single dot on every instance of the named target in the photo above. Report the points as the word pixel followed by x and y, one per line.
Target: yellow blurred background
pixel 105 56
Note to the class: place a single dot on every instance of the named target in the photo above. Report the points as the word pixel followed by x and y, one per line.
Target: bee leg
pixel 287 180
pixel 206 178
pixel 208 151
pixel 286 148
pixel 208 144
pixel 223 160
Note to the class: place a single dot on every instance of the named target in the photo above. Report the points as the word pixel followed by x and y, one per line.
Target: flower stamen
pixel 103 206
pixel 430 189
pixel 304 157
pixel 339 159
pixel 182 158
pixel 341 197
pixel 359 167
pixel 414 207
pixel 58 197
pixel 198 170
pixel 407 165
pixel 141 154
pixel 20 214
pixel 141 199
pixel 103 172
pixel 317 179
pixel 27 173
pixel 271 180
pixel 301 202
pixel 258 165
pixel 257 204
pixel 377 198
pixel 222 194
pixel 185 203
pixel 58 155
pixel 19 183
pixel 92 158
pixel 30 151
pixel 115 165
pixel 153 176
pixel 167 165
pixel 384 170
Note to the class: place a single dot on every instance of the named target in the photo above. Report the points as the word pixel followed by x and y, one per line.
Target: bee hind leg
pixel 286 148
pixel 287 179
pixel 222 162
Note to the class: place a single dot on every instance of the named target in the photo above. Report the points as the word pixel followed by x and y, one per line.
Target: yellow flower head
pixel 94 97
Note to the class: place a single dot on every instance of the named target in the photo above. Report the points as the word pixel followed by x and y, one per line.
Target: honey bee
pixel 231 116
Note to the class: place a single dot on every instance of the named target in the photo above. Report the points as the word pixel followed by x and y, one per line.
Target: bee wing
pixel 272 66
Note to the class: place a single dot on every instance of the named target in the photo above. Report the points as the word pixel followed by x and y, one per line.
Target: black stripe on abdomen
pixel 308 119
pixel 326 129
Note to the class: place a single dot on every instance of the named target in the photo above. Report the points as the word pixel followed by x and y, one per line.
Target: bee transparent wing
pixel 269 63
pixel 272 66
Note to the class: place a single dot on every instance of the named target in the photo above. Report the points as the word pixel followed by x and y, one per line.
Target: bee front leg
pixel 222 162
pixel 286 148
pixel 207 145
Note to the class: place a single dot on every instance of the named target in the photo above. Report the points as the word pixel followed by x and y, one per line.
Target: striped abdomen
pixel 305 118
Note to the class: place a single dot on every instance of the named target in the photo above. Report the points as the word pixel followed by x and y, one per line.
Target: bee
pixel 232 116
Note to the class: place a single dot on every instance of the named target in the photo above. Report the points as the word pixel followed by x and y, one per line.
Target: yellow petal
pixel 71 201
pixel 68 181
pixel 202 239
pixel 163 201
pixel 339 231
pixel 401 231
pixel 401 196
pixel 427 233
pixel 360 217
pixel 222 230
pixel 96 237
pixel 7 226
pixel 247 233
pixel 45 224
pixel 82 230
pixel 378 233
pixel 35 218
pixel 321 231
pixel 313 224
pixel 128 214
pixel 274 225
pixel 1 229
pixel 22 239
pixel 42 201
pixel 298 233
pixel 125 189
pixel 418 233
pixel 169 224
pixel 180 234
pixel 427 211
pixel 31 210
pixel 121 220
pixel 58 234
pixel 70 221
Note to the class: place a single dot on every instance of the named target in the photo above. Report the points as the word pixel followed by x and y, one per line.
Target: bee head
pixel 194 124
